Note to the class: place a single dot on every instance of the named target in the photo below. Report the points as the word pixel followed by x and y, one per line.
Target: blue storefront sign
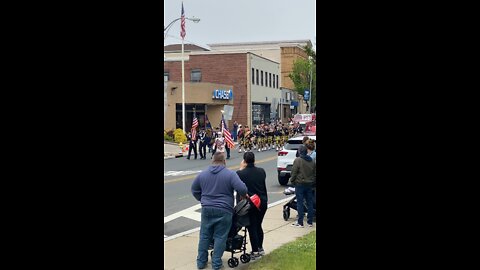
pixel 222 94
pixel 306 96
pixel 294 103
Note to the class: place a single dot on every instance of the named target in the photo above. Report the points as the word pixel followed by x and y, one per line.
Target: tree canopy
pixel 303 70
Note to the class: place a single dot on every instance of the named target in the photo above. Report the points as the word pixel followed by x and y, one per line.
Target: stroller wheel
pixel 236 262
pixel 286 214
pixel 211 253
pixel 231 263
pixel 245 258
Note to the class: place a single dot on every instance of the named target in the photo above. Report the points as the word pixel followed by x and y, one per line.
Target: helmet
pixel 255 200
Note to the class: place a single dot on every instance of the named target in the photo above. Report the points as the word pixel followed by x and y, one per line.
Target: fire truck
pixel 307 122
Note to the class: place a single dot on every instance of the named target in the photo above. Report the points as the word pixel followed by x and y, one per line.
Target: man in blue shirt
pixel 214 188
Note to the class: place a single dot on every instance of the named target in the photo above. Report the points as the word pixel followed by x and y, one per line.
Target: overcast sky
pixel 223 21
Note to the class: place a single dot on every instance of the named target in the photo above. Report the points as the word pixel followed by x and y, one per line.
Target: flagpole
pixel 183 90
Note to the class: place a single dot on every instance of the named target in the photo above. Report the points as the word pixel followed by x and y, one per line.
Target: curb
pixel 171 143
pixel 172 156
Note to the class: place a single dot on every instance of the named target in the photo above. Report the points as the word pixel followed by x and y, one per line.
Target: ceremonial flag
pixel 207 123
pixel 182 23
pixel 226 134
pixel 194 127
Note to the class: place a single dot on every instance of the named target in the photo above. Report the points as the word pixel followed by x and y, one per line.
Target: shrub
pixel 179 136
pixel 167 138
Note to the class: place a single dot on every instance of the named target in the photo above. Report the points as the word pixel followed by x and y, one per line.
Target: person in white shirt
pixel 219 144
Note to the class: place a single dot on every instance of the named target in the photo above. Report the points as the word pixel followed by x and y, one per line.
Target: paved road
pixel 182 211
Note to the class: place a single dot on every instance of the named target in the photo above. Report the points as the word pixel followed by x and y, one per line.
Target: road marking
pixel 185 212
pixel 231 168
pixel 178 173
pixel 189 210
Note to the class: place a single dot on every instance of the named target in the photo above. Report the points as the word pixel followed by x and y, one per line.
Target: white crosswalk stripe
pixel 178 173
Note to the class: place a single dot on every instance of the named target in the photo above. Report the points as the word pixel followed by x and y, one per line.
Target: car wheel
pixel 282 180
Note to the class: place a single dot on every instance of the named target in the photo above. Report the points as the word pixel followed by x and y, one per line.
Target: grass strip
pixel 296 255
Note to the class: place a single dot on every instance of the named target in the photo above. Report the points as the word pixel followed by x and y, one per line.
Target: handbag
pixel 255 199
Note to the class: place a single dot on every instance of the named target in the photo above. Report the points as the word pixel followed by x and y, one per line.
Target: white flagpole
pixel 183 91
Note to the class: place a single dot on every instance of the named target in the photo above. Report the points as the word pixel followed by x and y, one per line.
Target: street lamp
pixel 193 19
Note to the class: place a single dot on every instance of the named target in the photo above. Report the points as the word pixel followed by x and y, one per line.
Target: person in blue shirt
pixel 311 149
pixel 214 188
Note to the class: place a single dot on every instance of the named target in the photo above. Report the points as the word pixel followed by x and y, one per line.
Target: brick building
pixel 252 80
pixel 284 52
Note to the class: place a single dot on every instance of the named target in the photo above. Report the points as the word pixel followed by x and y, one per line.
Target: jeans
pixel 304 192
pixel 215 224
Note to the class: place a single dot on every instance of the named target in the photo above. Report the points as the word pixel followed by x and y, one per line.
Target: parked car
pixel 287 155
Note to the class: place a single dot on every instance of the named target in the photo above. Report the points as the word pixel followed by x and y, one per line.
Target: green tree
pixel 303 70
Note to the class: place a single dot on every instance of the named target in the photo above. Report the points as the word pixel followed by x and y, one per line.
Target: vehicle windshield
pixel 293 145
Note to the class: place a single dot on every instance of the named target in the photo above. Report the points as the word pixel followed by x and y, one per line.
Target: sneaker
pixel 261 251
pixel 254 255
pixel 297 225
pixel 310 225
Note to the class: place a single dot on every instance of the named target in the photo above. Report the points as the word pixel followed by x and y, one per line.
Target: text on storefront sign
pixel 222 94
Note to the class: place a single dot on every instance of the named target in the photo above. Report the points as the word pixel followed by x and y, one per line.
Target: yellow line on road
pixel 231 168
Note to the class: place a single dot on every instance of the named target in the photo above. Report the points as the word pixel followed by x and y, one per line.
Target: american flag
pixel 183 32
pixel 194 127
pixel 226 134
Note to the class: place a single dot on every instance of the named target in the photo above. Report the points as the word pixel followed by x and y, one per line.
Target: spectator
pixel 214 188
pixel 303 178
pixel 254 178
pixel 311 149
pixel 304 141
pixel 235 131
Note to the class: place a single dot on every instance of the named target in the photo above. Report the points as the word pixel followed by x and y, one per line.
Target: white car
pixel 287 155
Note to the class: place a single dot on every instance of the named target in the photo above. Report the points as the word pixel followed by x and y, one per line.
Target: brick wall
pixel 230 69
pixel 288 56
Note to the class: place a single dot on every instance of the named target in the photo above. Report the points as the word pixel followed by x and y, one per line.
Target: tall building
pixel 284 52
pixel 244 80
pixel 255 75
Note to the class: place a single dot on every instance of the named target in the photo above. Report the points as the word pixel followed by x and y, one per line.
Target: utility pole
pixel 311 92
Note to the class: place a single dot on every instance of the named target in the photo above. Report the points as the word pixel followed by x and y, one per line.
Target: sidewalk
pixel 181 253
pixel 172 150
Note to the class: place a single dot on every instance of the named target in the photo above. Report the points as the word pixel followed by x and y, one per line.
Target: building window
pixel 166 76
pixel 277 81
pixel 257 77
pixel 270 79
pixel 260 112
pixel 261 78
pixel 273 80
pixel 196 75
pixel 253 75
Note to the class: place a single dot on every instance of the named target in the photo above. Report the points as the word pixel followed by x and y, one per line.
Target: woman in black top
pixel 254 179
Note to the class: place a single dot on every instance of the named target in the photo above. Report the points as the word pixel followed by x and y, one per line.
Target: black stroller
pixel 236 243
pixel 293 204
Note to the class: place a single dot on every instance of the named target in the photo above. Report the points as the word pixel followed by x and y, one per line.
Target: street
pixel 182 210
